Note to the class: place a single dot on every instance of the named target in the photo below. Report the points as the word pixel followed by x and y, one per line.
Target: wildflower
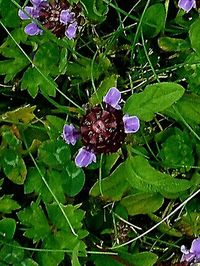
pixel 102 130
pixel 187 5
pixel 192 254
pixel 58 17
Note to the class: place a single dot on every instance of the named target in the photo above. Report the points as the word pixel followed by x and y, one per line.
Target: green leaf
pixel 34 219
pixel 54 126
pixel 177 151
pixel 7 228
pixel 82 69
pixel 105 85
pixel 33 81
pixel 164 227
pixel 95 10
pixel 7 204
pixel 74 179
pixel 113 186
pixel 152 23
pixel 14 61
pixel 188 107
pixel 23 114
pixel 169 44
pixel 9 14
pixel 140 259
pixel 142 203
pixel 14 166
pixel 142 176
pixel 194 34
pixel 54 153
pixel 154 98
pixel 11 255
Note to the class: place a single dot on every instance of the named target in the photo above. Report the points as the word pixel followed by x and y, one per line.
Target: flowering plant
pixel 102 130
pixel 59 17
pixel 192 254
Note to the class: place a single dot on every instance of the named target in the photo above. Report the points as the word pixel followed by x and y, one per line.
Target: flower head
pixel 187 5
pixel 192 254
pixel 58 17
pixel 102 130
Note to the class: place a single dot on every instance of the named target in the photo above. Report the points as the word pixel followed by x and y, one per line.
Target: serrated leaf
pixel 142 176
pixel 34 219
pixel 7 228
pixel 54 126
pixel 113 186
pixel 33 81
pixel 152 24
pixel 142 203
pixel 9 14
pixel 13 254
pixel 7 204
pixel 155 98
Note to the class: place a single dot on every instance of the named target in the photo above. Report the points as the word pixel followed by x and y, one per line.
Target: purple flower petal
pixel 71 31
pixel 113 97
pixel 187 257
pixel 84 158
pixel 66 16
pixel 28 9
pixel 131 124
pixel 32 29
pixel 195 247
pixel 38 2
pixel 70 134
pixel 187 5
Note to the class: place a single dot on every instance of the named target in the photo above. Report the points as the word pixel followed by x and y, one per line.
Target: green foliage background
pixel 54 213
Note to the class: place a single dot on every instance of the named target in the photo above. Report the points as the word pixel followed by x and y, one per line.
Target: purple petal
pixel 28 9
pixel 131 124
pixel 84 158
pixel 32 29
pixel 38 2
pixel 70 134
pixel 187 5
pixel 66 16
pixel 187 257
pixel 71 31
pixel 195 247
pixel 113 97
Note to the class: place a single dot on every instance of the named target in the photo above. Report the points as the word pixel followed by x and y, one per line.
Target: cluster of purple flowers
pixel 187 5
pixel 58 17
pixel 191 255
pixel 102 130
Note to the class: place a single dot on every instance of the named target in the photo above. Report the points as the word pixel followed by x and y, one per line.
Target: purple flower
pixel 187 5
pixel 66 16
pixel 131 124
pixel 71 31
pixel 70 134
pixel 32 29
pixel 113 97
pixel 192 254
pixel 58 17
pixel 102 130
pixel 84 158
